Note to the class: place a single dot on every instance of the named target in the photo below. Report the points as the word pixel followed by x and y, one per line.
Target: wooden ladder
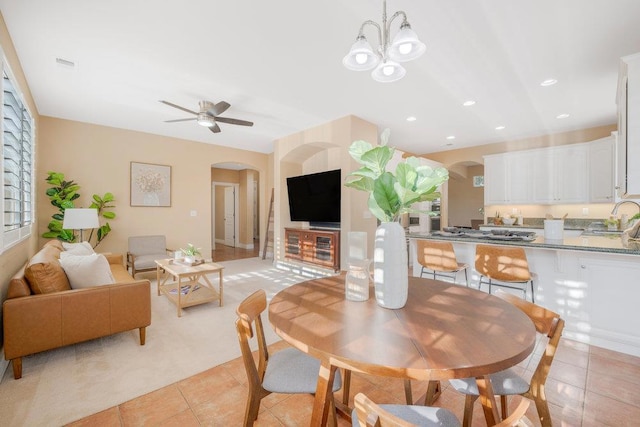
pixel 268 238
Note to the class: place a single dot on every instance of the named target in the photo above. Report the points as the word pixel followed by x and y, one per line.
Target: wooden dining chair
pixel 507 383
pixel 440 259
pixel 505 265
pixel 369 414
pixel 286 371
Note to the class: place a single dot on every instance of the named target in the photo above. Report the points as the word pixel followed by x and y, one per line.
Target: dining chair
pixel 505 265
pixel 286 371
pixel 508 383
pixel 440 258
pixel 369 414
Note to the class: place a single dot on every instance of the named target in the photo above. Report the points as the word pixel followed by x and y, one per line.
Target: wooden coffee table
pixel 192 280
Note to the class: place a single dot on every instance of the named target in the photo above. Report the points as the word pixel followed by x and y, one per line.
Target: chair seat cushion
pixel 292 371
pixel 148 261
pixel 505 382
pixel 424 416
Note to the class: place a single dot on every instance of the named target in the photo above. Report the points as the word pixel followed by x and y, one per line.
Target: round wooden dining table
pixel 444 331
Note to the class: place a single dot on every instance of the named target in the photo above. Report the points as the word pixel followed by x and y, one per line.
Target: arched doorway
pixel 465 195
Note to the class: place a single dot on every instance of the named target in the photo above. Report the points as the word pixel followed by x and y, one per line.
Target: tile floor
pixel 587 386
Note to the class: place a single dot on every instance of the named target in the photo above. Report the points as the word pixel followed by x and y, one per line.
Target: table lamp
pixel 80 219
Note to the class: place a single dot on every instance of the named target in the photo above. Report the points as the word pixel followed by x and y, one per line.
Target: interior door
pixel 229 216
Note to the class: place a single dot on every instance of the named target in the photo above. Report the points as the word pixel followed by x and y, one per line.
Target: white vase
pixel 391 273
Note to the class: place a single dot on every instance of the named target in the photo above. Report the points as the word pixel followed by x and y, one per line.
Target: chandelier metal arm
pixel 376 25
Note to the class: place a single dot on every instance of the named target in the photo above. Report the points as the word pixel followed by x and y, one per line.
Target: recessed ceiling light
pixel 451 137
pixel 468 103
pixel 548 82
pixel 562 116
pixel 500 127
pixel 411 118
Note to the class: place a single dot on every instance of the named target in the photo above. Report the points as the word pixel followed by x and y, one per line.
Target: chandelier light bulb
pixel 405 48
pixel 387 72
pixel 361 58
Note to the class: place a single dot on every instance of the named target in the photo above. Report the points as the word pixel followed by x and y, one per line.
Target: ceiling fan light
pixel 406 46
pixel 388 71
pixel 361 57
pixel 205 120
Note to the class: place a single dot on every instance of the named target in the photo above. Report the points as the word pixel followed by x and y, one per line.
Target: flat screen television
pixel 315 197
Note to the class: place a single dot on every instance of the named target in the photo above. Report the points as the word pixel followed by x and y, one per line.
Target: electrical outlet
pixel 585 211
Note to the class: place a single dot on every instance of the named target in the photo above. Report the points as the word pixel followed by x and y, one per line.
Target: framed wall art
pixel 478 181
pixel 150 184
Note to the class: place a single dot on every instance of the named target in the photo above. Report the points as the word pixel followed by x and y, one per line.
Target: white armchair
pixel 144 250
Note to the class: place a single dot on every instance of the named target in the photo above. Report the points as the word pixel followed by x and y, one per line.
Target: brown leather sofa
pixel 42 312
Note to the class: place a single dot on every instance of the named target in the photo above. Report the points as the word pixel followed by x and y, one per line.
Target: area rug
pixel 66 384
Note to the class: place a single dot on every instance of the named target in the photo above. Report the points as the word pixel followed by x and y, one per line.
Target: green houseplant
pixel 190 252
pixel 391 194
pixel 62 195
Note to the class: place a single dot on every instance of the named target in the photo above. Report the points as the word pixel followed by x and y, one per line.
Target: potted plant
pixel 392 194
pixel 190 253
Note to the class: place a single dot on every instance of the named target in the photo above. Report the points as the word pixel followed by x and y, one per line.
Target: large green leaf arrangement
pixel 392 194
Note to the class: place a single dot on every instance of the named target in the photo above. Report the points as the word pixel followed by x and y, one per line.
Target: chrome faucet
pixel 615 208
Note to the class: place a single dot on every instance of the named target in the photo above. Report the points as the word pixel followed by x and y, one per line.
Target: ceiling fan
pixel 208 115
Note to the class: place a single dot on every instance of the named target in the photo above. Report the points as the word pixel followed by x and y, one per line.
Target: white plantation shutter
pixel 17 165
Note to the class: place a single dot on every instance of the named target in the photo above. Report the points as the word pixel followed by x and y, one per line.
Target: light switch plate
pixel 194 213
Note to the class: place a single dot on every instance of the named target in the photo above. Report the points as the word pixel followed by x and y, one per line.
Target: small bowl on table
pixel 508 221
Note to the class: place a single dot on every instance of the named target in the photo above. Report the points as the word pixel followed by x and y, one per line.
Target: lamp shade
pixel 361 57
pixel 388 71
pixel 80 219
pixel 406 45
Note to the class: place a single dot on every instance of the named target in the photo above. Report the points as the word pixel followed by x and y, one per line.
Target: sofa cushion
pixel 44 272
pixel 83 248
pixel 86 271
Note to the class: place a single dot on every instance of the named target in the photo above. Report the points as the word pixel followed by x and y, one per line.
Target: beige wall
pixel 464 198
pixel 323 148
pixel 98 158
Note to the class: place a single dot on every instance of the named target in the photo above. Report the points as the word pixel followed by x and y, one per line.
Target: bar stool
pixel 440 258
pixel 507 265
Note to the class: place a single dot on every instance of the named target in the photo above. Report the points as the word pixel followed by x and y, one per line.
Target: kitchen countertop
pixel 600 243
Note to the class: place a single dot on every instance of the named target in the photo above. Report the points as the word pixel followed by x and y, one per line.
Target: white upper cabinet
pixel 561 175
pixel 628 100
pixel 601 170
pixel 495 180
pixel 575 173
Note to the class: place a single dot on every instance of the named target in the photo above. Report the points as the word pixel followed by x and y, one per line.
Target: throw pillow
pixel 44 273
pixel 83 248
pixel 85 271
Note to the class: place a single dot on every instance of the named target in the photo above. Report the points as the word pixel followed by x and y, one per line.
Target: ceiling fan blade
pixel 233 121
pixel 219 108
pixel 179 107
pixel 215 128
pixel 180 120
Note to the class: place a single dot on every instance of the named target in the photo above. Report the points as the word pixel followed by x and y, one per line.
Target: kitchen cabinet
pixel 628 143
pixel 507 178
pixel 555 175
pixel 495 180
pixel 560 175
pixel 601 170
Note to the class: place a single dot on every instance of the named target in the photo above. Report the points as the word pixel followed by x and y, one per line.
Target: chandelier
pixel 386 58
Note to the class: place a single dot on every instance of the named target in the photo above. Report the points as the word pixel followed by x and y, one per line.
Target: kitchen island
pixel 592 281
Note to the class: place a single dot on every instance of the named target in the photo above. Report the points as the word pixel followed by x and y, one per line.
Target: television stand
pixel 318 247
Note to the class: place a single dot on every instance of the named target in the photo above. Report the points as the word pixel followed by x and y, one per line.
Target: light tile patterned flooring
pixel 587 386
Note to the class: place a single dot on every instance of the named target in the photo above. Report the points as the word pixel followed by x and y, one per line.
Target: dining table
pixel 444 331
